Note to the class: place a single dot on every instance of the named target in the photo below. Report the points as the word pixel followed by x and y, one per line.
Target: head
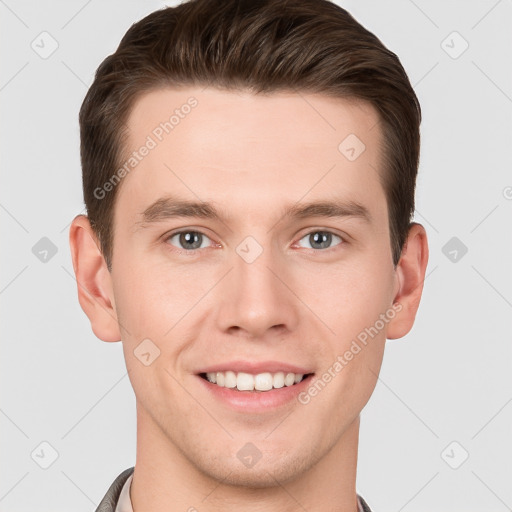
pixel 295 133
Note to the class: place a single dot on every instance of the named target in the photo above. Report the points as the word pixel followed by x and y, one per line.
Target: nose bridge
pixel 255 298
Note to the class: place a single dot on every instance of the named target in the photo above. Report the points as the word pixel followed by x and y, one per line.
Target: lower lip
pixel 256 401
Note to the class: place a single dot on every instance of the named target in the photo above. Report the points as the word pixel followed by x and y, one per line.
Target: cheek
pixel 150 294
pixel 351 297
pixel 364 313
pixel 148 307
pixel 359 295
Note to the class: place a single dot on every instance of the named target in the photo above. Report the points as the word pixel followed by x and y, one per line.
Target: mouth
pixel 255 387
pixel 255 383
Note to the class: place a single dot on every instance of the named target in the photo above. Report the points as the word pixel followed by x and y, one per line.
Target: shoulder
pixel 363 506
pixel 109 501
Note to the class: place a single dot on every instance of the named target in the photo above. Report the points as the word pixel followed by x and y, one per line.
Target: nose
pixel 257 297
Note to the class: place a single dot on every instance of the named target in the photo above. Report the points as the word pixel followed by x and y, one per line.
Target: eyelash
pixel 195 251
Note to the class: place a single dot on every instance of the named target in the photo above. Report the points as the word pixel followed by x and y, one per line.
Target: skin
pixel 250 156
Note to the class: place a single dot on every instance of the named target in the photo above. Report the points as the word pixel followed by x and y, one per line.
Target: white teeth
pixel 278 380
pixel 244 381
pixel 230 379
pixel 263 381
pixel 248 382
pixel 289 380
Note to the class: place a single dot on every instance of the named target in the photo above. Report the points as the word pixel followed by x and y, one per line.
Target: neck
pixel 165 479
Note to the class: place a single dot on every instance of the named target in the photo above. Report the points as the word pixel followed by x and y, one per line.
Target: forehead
pixel 233 146
pixel 312 119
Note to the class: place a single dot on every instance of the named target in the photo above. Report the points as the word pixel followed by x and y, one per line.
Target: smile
pixel 242 381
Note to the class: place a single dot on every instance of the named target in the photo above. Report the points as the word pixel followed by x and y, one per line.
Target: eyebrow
pixel 170 207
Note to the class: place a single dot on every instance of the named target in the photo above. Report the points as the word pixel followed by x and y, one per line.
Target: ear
pixel 95 290
pixel 410 275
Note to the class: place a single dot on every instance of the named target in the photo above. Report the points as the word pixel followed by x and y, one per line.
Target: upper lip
pixel 255 367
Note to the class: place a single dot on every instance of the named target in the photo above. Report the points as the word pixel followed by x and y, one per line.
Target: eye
pixel 320 239
pixel 189 240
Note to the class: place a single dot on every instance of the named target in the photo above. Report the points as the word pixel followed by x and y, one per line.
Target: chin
pixel 265 473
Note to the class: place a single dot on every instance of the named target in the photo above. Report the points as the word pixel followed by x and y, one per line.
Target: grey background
pixel 447 381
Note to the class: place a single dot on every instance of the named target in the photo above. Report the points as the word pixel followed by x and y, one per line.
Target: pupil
pixel 321 238
pixel 190 237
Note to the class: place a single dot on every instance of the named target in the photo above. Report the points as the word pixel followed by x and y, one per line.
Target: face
pixel 252 274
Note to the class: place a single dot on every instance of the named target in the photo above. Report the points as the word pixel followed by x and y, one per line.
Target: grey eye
pixel 189 240
pixel 320 239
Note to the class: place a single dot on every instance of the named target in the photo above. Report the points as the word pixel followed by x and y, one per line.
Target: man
pixel 249 172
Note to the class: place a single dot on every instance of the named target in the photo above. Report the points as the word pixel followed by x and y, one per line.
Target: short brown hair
pixel 262 46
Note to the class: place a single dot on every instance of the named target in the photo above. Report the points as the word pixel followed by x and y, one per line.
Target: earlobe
pixel 94 282
pixel 410 277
